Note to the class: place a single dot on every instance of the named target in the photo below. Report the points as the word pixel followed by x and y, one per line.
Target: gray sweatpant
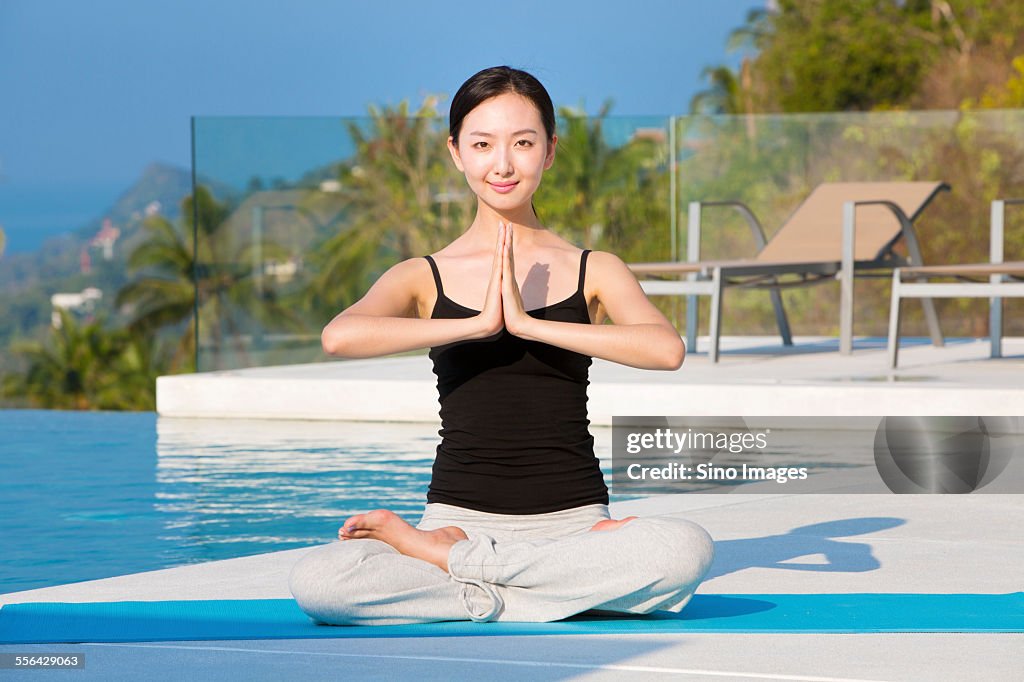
pixel 532 568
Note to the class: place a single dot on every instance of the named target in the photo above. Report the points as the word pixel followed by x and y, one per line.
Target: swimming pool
pixel 87 495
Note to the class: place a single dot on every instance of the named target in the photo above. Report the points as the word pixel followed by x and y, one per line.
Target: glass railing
pixel 772 162
pixel 298 216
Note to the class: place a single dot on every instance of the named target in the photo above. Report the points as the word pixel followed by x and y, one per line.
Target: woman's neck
pixel 523 219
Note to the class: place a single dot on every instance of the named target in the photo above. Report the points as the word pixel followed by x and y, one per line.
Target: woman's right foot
pixel 431 546
pixel 611 524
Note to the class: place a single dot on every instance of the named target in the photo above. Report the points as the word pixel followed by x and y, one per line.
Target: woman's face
pixel 503 151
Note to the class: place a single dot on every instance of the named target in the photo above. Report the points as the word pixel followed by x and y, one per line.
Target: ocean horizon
pixel 31 214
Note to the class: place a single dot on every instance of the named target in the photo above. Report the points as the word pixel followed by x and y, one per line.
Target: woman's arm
pixel 386 320
pixel 641 336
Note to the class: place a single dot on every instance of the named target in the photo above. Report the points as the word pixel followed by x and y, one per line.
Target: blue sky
pixel 91 92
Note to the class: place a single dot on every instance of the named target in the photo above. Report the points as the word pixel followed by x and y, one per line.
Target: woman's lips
pixel 503 188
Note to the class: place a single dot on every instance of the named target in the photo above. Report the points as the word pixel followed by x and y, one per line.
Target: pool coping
pixel 756 376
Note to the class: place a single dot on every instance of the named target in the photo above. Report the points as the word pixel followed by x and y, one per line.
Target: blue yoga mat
pixel 136 621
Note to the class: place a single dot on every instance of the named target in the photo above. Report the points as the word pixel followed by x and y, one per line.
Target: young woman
pixel 516 526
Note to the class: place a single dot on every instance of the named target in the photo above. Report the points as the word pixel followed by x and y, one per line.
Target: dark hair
pixel 495 81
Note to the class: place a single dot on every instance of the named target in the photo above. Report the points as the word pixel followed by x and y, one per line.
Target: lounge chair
pixel 842 229
pixel 1005 279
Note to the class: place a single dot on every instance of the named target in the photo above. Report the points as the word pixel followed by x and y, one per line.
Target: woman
pixel 516 526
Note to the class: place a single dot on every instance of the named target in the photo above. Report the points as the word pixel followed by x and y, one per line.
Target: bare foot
pixel 429 545
pixel 611 524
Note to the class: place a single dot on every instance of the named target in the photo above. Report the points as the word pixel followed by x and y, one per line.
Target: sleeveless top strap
pixel 583 269
pixel 437 275
pixel 579 284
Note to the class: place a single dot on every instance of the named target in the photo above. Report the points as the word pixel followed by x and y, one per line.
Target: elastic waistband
pixel 449 511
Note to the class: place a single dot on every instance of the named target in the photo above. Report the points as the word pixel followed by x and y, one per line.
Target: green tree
pixel 87 367
pixel 604 196
pixel 212 277
pixel 731 92
pixel 166 294
pixel 724 96
pixel 852 56
pixel 858 55
pixel 842 55
pixel 403 196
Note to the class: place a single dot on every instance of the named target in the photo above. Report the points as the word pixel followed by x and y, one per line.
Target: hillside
pixel 74 261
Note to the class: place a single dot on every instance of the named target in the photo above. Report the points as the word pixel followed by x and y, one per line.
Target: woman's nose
pixel 502 162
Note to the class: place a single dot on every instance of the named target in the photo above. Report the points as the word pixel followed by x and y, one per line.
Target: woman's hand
pixel 511 300
pixel 491 318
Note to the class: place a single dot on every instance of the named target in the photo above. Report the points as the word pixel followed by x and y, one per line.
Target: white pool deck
pixel 756 376
pixel 779 543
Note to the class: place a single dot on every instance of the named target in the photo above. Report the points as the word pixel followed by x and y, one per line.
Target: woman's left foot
pixel 429 545
pixel 611 524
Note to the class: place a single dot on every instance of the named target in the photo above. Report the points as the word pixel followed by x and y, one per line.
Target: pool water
pixel 87 495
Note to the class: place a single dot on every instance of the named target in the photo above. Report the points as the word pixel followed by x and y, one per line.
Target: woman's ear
pixel 550 158
pixel 453 149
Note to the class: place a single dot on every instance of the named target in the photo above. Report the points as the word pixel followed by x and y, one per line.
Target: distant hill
pixel 160 183
pixel 161 189
pixel 27 280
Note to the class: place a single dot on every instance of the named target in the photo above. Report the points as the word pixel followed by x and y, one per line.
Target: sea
pixel 29 215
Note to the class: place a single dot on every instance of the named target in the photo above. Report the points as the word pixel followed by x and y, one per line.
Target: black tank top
pixel 514 427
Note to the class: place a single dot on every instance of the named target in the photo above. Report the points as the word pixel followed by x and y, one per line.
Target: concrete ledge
pixel 756 377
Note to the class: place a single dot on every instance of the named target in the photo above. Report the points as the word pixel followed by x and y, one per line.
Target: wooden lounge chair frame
pixel 1005 279
pixel 816 250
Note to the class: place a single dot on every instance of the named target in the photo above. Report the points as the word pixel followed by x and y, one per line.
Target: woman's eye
pixel 525 143
pixel 480 145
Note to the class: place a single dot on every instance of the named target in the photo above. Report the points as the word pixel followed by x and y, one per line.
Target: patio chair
pixel 1004 280
pixel 842 229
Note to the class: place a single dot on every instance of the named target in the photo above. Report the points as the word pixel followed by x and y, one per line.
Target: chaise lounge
pixel 1004 280
pixel 841 230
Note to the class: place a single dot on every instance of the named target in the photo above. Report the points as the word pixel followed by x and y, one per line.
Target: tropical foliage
pixel 608 196
pixel 212 276
pixel 775 166
pixel 210 282
pixel 403 198
pixel 860 55
pixel 85 366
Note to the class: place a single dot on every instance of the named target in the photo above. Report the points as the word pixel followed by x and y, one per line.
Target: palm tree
pixel 405 198
pixel 3 241
pixel 166 297
pixel 205 280
pixel 732 92
pixel 87 367
pixel 598 195
pixel 723 97
pixel 402 194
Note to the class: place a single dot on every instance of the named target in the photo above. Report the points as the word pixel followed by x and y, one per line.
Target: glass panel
pixel 772 162
pixel 298 216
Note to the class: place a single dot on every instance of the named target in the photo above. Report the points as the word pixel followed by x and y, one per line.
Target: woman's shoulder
pixel 606 272
pixel 606 261
pixel 413 268
pixel 411 276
